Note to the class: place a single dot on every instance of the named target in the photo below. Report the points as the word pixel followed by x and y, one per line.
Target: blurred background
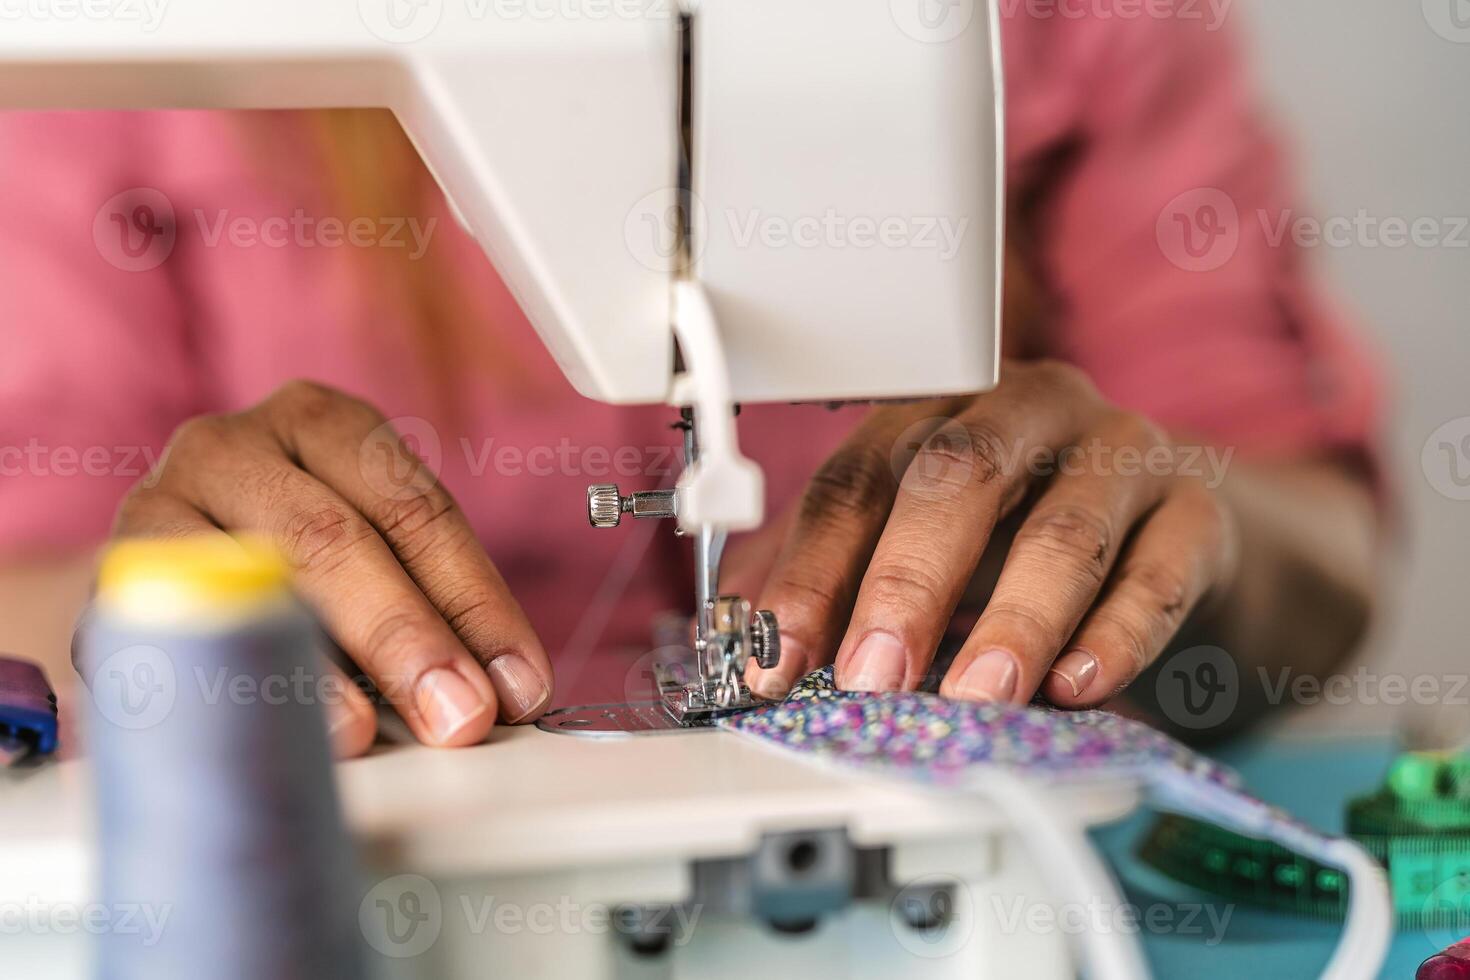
pixel 1373 96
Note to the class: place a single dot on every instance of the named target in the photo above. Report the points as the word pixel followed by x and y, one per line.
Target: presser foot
pixel 691 708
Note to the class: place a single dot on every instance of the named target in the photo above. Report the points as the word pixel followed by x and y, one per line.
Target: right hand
pixel 381 552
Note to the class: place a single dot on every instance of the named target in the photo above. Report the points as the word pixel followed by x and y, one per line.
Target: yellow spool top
pixel 208 575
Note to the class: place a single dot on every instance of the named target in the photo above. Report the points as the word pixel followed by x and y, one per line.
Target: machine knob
pixel 765 639
pixel 604 505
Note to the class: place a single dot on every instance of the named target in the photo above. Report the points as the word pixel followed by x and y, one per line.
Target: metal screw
pixel 606 505
pixel 765 639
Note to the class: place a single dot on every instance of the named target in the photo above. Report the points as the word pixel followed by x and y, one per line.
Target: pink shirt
pixel 1153 190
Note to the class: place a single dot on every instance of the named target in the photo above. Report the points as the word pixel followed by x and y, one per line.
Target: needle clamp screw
pixel 606 505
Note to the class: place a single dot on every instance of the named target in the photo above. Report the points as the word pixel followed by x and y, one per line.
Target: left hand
pixel 1112 551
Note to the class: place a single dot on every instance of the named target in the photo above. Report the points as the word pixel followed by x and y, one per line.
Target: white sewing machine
pixel 733 201
pixel 737 201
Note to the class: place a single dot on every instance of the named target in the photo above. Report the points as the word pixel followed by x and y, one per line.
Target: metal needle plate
pixel 612 720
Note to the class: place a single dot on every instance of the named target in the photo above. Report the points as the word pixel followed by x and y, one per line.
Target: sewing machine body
pixel 846 174
pixel 521 850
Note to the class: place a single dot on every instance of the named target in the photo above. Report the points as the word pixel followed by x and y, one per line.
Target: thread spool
pixel 217 809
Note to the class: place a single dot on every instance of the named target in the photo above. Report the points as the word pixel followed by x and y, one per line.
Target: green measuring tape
pixel 1417 825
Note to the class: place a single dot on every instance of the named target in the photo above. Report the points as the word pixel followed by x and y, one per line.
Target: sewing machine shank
pixel 728 634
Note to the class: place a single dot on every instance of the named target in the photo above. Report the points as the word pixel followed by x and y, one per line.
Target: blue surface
pixel 1313 778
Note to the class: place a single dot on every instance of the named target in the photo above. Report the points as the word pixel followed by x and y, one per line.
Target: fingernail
pixel 520 688
pixel 1077 668
pixel 769 685
pixel 990 677
pixel 877 664
pixel 447 703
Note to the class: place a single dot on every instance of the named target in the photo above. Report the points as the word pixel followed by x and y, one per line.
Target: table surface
pixel 1311 777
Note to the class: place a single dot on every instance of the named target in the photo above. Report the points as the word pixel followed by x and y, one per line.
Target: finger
pixel 814 582
pixel 348 574
pixel 1183 549
pixel 966 477
pixel 750 558
pixel 349 446
pixel 351 722
pixel 1057 563
pixel 156 514
pixel 146 513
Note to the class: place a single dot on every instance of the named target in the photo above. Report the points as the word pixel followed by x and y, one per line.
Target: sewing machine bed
pixel 529 801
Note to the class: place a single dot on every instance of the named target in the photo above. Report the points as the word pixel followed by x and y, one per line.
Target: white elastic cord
pixel 1071 866
pixel 1368 929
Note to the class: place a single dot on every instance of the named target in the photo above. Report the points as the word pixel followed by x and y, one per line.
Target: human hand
pixel 1107 560
pixel 381 552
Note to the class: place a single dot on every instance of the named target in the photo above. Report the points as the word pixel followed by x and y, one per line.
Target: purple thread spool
pixel 218 814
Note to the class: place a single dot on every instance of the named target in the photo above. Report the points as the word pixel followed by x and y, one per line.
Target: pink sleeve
pixel 1179 296
pixel 95 372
